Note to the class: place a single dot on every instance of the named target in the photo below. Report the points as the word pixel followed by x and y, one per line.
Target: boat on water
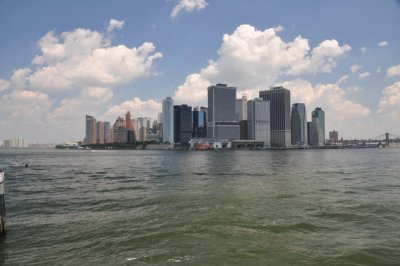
pixel 17 163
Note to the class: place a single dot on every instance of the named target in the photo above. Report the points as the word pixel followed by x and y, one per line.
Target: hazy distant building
pixel 90 136
pixel 100 132
pixel 279 99
pixel 241 108
pixel 182 124
pixel 168 120
pixel 120 132
pixel 334 136
pixel 319 114
pixel 107 133
pixel 199 122
pixel 299 124
pixel 315 131
pixel 222 122
pixel 128 121
pixel 258 121
pixel 18 143
pixel 141 128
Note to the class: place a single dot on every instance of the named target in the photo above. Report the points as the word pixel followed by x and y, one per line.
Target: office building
pixel 243 129
pixel 199 122
pixel 279 99
pixel 141 128
pixel 100 132
pixel 183 126
pixel 258 121
pixel 315 131
pixel 128 121
pixel 241 108
pixel 168 120
pixel 18 143
pixel 107 133
pixel 319 114
pixel 120 132
pixel 222 122
pixel 299 124
pixel 90 136
pixel 334 136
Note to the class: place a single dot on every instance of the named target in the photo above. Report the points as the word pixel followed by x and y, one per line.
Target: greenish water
pixel 292 207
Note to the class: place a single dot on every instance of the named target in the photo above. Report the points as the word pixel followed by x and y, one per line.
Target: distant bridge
pixel 386 139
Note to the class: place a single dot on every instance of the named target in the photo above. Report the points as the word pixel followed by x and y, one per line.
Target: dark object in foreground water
pixel 2 205
pixel 26 165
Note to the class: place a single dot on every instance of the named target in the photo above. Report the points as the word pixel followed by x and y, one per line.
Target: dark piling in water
pixel 2 205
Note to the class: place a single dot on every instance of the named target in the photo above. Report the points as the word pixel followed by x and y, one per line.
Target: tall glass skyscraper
pixel 317 128
pixel 222 122
pixel 182 124
pixel 299 124
pixel 90 136
pixel 199 122
pixel 168 120
pixel 279 99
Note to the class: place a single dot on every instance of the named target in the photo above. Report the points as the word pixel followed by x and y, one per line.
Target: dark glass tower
pixel 182 124
pixel 299 124
pixel 200 122
pixel 279 99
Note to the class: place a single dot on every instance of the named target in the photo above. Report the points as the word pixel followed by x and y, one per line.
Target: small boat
pixel 17 163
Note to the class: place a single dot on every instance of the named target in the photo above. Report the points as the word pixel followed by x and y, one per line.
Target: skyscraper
pixel 100 132
pixel 222 122
pixel 120 132
pixel 258 121
pixel 279 99
pixel 318 127
pixel 168 120
pixel 299 124
pixel 128 121
pixel 241 108
pixel 90 136
pixel 334 136
pixel 199 122
pixel 182 124
pixel 107 133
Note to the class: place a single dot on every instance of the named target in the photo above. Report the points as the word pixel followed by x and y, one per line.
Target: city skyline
pixel 114 57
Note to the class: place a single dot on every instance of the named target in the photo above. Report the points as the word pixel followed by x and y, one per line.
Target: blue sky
pixel 332 54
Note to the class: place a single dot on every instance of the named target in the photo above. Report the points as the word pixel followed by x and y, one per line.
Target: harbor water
pixel 285 207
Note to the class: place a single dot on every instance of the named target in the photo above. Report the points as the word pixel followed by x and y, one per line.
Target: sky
pixel 61 60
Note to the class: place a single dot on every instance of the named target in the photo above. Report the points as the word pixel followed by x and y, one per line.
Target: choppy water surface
pixel 318 207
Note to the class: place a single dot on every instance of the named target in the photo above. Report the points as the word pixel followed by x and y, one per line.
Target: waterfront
pixel 289 207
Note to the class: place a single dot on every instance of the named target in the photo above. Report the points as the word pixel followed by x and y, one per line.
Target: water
pixel 293 207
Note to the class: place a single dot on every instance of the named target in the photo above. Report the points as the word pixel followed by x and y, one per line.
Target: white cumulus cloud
pixel 85 58
pixel 138 108
pixel 81 65
pixel 115 24
pixel 383 43
pixel 364 75
pixel 189 6
pixel 390 100
pixel 254 59
pixel 393 71
pixel 4 84
pixel 355 68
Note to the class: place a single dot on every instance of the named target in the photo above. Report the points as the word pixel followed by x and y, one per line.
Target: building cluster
pixel 269 120
pixel 124 130
pixel 18 143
